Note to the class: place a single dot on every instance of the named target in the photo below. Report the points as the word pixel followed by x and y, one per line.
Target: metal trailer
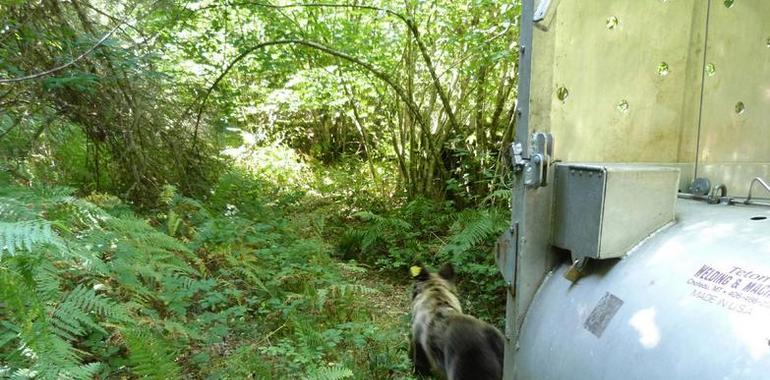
pixel 640 245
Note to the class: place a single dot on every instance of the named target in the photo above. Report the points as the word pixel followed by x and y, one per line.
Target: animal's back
pixel 474 350
pixel 446 342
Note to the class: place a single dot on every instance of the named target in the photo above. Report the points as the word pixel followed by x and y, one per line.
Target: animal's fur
pixel 446 342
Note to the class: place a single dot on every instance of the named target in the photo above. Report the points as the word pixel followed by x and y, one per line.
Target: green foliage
pixel 149 356
pixel 230 273
pixel 331 373
pixel 233 288
pixel 472 228
pixel 25 235
pixel 434 233
pixel 66 311
pixel 108 120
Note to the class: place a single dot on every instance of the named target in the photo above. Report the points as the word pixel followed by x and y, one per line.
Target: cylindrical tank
pixel 690 302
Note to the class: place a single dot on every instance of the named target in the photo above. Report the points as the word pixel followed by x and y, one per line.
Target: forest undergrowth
pixel 279 273
pixel 214 189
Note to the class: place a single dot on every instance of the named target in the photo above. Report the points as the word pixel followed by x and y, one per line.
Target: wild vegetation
pixel 234 189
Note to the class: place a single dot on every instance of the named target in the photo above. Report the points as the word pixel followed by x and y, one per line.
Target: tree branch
pixel 66 65
pixel 413 108
pixel 410 24
pixel 303 5
pixel 78 58
pixel 115 19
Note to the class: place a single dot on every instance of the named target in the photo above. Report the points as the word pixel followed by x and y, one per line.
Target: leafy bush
pixel 434 233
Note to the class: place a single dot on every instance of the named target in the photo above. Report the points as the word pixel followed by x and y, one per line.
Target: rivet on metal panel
pixel 623 106
pixel 663 69
pixel 612 22
pixel 739 108
pixel 562 93
pixel 729 3
pixel 711 69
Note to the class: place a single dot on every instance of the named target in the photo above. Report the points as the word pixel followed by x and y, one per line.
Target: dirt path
pixel 393 302
pixel 391 297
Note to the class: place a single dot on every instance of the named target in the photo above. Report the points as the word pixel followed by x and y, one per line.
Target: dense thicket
pixel 220 188
pixel 110 120
pixel 425 86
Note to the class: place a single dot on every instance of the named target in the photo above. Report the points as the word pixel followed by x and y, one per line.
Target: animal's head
pixel 424 279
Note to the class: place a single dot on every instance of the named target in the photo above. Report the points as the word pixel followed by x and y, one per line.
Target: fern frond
pixel 8 334
pixel 47 281
pixel 12 209
pixel 499 194
pixel 24 236
pixel 392 221
pixel 344 289
pixel 330 373
pixel 89 301
pixel 475 227
pixel 149 357
pixel 140 230
pixel 37 196
pixel 52 356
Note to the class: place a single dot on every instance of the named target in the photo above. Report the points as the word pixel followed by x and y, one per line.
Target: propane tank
pixel 692 301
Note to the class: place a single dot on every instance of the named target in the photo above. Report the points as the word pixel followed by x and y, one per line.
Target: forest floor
pixel 262 279
pixel 391 299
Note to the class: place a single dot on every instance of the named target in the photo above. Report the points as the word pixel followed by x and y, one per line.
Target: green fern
pixel 499 196
pixel 128 300
pixel 474 227
pixel 24 236
pixel 150 356
pixel 379 228
pixel 149 237
pixel 82 303
pixel 330 373
pixel 45 325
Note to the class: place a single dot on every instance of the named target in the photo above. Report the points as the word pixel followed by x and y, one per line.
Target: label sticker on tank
pixel 602 314
pixel 735 288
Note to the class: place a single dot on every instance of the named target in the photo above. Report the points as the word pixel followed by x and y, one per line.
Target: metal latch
pixel 535 167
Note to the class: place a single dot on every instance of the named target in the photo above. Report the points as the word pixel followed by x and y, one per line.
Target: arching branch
pixel 303 5
pixel 66 65
pixel 410 24
pixel 82 55
pixel 413 108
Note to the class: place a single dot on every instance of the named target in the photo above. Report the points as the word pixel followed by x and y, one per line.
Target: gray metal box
pixel 603 210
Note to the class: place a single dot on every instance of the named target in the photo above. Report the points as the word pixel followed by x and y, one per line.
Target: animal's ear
pixel 447 272
pixel 419 272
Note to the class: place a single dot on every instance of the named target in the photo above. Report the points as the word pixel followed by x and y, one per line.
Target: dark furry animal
pixel 445 342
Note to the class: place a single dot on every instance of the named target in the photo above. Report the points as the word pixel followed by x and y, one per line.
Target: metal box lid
pixel 603 210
